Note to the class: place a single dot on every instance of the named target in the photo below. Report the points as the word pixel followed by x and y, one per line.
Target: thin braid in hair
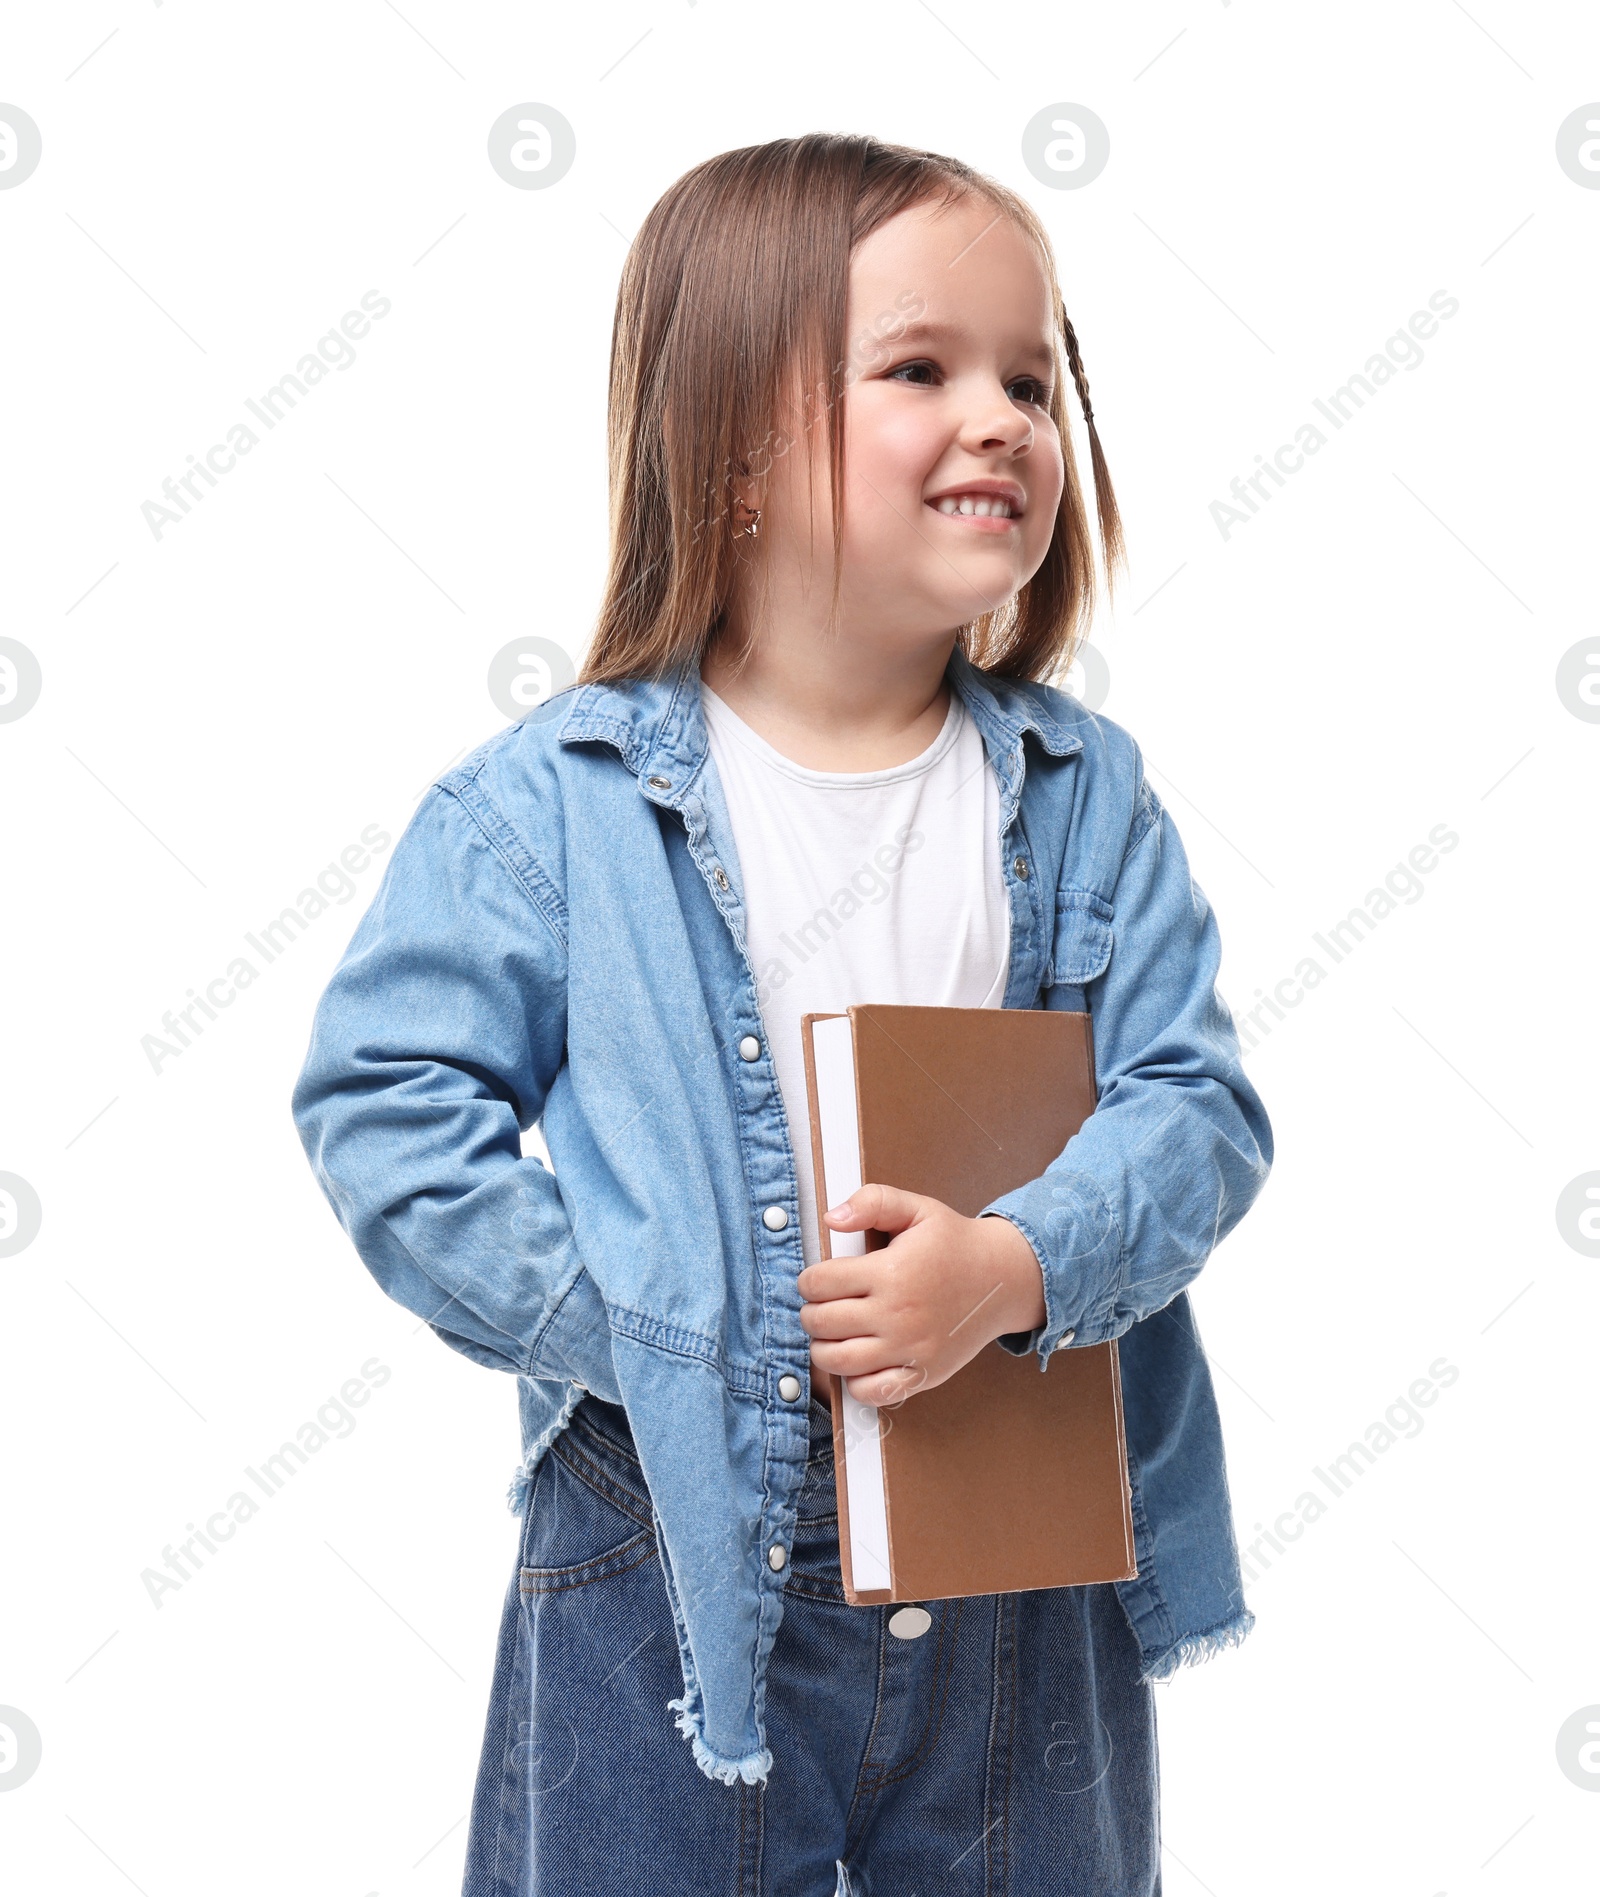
pixel 1104 500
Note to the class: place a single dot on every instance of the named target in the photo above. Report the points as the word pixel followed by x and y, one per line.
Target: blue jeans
pixel 1008 1750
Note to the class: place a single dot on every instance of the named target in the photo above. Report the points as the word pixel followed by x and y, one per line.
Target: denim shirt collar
pixel 659 729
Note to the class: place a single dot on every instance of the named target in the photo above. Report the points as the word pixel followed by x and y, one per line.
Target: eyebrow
pixel 924 331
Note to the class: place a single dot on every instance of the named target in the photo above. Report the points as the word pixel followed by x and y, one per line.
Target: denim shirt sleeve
pixel 1179 1144
pixel 435 1043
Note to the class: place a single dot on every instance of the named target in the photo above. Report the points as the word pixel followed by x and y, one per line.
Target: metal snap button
pixel 789 1388
pixel 1020 865
pixel 721 876
pixel 775 1218
pixel 777 1555
pixel 660 783
pixel 1065 1338
pixel 910 1623
pixel 749 1048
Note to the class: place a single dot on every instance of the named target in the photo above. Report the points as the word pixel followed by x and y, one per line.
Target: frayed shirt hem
pixel 1193 1649
pixel 752 1768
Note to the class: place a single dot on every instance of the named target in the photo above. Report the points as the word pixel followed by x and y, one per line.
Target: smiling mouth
pixel 987 512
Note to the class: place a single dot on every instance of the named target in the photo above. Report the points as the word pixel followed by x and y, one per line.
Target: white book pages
pixel 833 1058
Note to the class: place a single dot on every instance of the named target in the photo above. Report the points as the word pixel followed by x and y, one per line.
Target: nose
pixel 993 423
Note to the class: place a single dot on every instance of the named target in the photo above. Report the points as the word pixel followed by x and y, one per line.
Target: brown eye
pixel 1031 390
pixel 906 370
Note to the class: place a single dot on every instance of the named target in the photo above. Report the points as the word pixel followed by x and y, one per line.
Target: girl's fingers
pixel 885 1388
pixel 877 1208
pixel 838 1278
pixel 850 1357
pixel 839 1317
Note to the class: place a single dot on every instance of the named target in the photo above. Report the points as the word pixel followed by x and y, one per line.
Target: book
pixel 1007 1476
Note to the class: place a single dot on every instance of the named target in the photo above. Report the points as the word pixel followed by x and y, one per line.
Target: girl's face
pixel 953 469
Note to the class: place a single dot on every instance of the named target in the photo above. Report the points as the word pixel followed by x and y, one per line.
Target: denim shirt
pixel 559 938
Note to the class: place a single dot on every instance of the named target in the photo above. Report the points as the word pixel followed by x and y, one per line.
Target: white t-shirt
pixel 862 886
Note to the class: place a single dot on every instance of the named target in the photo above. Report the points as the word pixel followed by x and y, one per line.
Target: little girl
pixel 810 762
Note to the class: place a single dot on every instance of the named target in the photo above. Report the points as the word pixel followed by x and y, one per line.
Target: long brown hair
pixel 739 276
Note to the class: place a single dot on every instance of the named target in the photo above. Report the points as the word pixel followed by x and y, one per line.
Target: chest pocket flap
pixel 1081 946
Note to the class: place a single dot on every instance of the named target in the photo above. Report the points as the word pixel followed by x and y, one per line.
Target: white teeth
pixel 979 505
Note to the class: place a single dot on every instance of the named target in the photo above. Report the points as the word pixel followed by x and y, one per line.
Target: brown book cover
pixel 1007 1476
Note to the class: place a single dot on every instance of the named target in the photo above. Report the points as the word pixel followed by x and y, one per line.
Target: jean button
pixel 775 1218
pixel 910 1623
pixel 777 1556
pixel 749 1048
pixel 789 1388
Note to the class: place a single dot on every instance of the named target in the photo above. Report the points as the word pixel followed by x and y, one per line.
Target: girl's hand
pixel 907 1318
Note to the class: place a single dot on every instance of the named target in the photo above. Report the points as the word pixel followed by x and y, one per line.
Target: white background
pixel 225 708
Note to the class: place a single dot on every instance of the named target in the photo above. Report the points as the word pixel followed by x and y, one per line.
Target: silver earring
pixel 754 527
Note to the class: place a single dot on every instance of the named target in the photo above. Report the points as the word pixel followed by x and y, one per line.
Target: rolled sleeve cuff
pixel 1079 1249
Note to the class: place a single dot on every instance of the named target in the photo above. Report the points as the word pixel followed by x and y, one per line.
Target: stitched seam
pixel 816 1587
pixel 604 1485
pixel 739 1839
pixel 586 1580
pixel 992 1765
pixel 503 1805
pixel 587 723
pixel 752 1829
pixel 550 908
pixel 935 1716
pixel 1071 897
pixel 1013 1694
pixel 1038 715
pixel 598 1437
pixel 1145 1583
pixel 1093 941
pixel 1106 1315
pixel 866 1781
pixel 1148 806
pixel 551 1315
pixel 680 1342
